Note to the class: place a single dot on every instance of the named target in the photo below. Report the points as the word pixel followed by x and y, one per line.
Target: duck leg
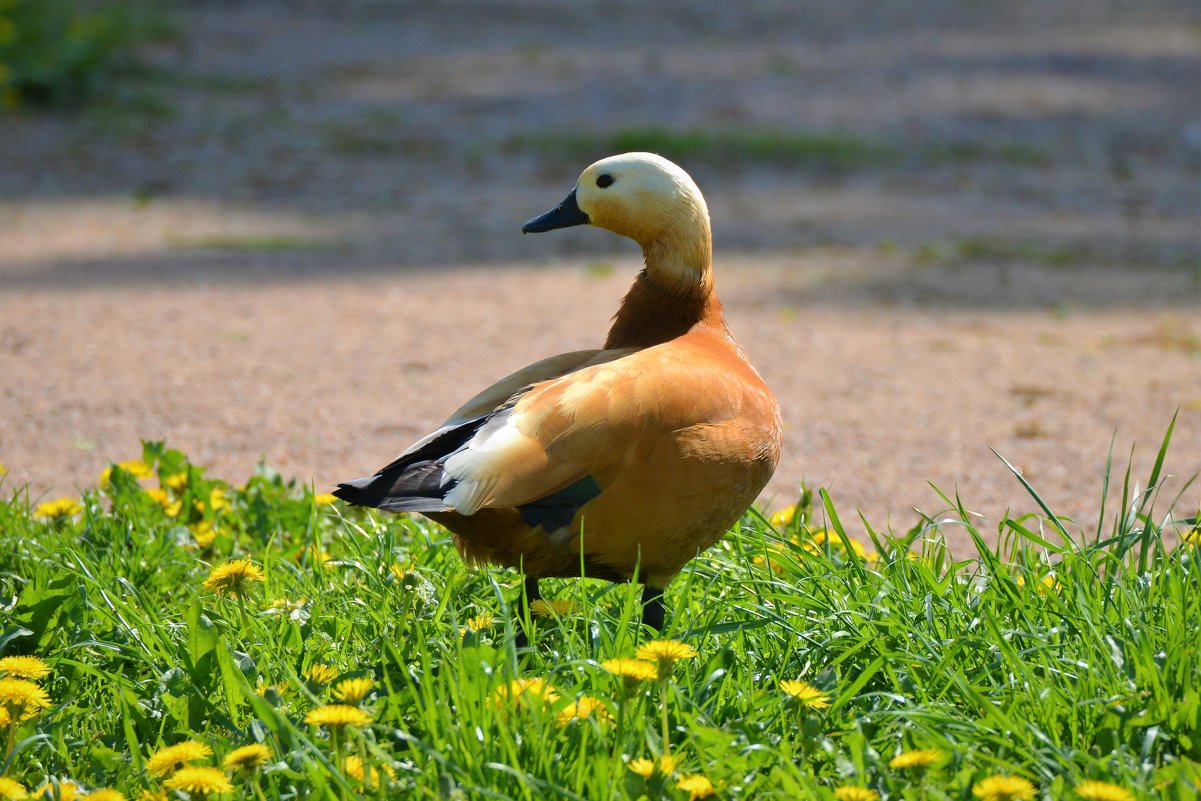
pixel 531 594
pixel 652 607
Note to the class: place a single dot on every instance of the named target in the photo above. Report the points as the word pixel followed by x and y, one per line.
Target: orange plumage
pixel 633 457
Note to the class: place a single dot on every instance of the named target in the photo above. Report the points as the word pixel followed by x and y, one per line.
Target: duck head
pixel 649 199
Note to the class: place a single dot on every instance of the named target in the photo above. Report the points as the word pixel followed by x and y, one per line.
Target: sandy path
pixel 328 380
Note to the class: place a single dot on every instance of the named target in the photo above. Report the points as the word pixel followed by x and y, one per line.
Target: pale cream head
pixel 652 201
pixel 642 196
pixel 658 205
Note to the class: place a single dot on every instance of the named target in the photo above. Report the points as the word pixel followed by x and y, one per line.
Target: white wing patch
pixel 491 454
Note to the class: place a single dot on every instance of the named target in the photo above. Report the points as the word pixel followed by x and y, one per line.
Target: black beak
pixel 564 215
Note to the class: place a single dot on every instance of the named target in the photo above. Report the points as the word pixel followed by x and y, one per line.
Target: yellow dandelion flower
pixel 285 607
pixel 65 790
pixel 354 769
pixel 583 708
pixel 203 533
pixel 533 690
pixel 399 570
pixel 1188 538
pixel 200 781
pixel 136 468
pixel 1046 584
pixel 631 671
pixel 560 608
pixel 263 688
pixel 909 760
pixel 231 578
pixel 1003 788
pixel 821 538
pixel 775 566
pixel 352 691
pixel 851 793
pixel 324 499
pixel 814 543
pixel 166 761
pixel 480 622
pixel 664 654
pixel 646 768
pixel 1102 791
pixel 318 555
pixel 152 795
pixel 12 791
pixel 22 700
pixel 806 694
pixel 248 758
pixel 696 785
pixel 58 509
pixel 3 471
pixel 665 651
pixel 336 716
pixel 105 794
pixel 784 517
pixel 24 667
pixel 177 482
pixel 320 674
pixel 834 541
pixel 217 499
pixel 170 507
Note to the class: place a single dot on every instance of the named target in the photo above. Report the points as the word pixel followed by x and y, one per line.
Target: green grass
pixel 759 145
pixel 717 145
pixel 1045 254
pixel 377 132
pixel 1056 658
pixel 256 243
pixel 1004 250
pixel 61 52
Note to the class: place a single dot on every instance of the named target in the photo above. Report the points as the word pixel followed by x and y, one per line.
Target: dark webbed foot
pixel 531 594
pixel 652 607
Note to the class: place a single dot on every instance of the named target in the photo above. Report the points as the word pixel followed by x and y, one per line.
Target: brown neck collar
pixel 652 313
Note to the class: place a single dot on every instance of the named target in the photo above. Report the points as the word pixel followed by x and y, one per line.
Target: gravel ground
pixel 297 238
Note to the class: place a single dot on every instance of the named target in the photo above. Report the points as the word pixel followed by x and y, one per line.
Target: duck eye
pixel 604 181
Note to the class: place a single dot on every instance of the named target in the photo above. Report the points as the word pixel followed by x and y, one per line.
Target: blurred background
pixel 289 230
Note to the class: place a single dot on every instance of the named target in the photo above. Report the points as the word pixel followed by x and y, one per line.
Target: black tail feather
pixel 404 488
pixel 414 482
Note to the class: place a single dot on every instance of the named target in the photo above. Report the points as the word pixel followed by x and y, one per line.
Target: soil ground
pixel 940 227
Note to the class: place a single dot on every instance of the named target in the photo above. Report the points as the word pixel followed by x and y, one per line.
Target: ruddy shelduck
pixel 629 460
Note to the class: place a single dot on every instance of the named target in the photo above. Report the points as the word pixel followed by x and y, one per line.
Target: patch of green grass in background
pixel 56 52
pixel 822 149
pixel 1022 154
pixel 599 270
pixel 716 145
pixel 1055 655
pixel 1054 254
pixel 256 243
pixel 755 145
pixel 377 131
pixel 1003 250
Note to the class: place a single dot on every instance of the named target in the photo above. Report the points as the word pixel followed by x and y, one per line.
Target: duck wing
pixel 551 446
pixel 414 481
pixel 597 421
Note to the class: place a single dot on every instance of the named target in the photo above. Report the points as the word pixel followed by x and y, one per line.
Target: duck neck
pixel 672 295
